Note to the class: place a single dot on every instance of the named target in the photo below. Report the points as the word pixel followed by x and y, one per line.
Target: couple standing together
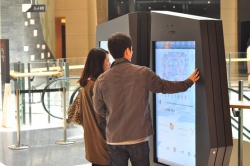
pixel 116 113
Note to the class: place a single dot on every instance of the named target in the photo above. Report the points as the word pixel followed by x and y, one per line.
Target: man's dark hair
pixel 94 65
pixel 118 43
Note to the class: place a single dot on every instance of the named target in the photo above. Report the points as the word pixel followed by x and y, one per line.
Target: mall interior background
pixel 68 27
pixel 81 17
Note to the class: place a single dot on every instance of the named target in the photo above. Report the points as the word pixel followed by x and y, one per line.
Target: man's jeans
pixel 137 153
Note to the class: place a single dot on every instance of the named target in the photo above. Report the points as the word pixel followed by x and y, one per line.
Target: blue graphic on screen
pixel 175 113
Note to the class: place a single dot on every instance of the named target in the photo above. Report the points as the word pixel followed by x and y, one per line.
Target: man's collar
pixel 120 60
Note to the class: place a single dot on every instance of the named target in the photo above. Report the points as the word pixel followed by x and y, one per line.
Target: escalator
pixel 52 95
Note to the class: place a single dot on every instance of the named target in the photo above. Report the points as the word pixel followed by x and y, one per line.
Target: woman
pixel 94 125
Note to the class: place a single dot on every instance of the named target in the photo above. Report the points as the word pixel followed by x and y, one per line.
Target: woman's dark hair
pixel 94 65
pixel 118 43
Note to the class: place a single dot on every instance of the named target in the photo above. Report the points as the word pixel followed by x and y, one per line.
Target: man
pixel 121 95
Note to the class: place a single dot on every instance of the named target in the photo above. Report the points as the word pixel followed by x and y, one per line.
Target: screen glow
pixel 104 45
pixel 175 113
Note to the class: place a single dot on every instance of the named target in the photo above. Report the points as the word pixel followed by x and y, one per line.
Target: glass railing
pixel 237 69
pixel 31 79
pixel 32 110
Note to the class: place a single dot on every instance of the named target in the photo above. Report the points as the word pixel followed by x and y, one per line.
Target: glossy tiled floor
pixel 43 151
pixel 41 138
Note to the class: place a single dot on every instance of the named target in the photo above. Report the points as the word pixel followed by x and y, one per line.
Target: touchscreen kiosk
pixel 192 128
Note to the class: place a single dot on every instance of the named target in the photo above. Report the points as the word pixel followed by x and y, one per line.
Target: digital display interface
pixel 104 45
pixel 175 113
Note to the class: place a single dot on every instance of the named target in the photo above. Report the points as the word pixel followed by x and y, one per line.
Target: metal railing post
pixel 64 141
pixel 240 126
pixel 48 94
pixel 29 88
pixel 18 146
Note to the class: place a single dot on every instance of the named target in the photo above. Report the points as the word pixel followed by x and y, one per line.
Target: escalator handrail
pixel 45 90
pixel 236 128
pixel 232 118
pixel 244 96
pixel 247 98
pixel 73 94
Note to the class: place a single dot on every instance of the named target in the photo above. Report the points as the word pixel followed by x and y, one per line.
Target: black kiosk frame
pixel 135 25
pixel 213 135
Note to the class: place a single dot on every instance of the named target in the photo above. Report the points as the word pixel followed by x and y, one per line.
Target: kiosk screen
pixel 104 45
pixel 175 113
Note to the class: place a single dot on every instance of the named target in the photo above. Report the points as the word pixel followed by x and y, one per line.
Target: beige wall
pixel 98 13
pixel 58 36
pixel 92 22
pixel 76 15
pixel 229 19
pixel 82 16
pixel 81 20
pixel 102 11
